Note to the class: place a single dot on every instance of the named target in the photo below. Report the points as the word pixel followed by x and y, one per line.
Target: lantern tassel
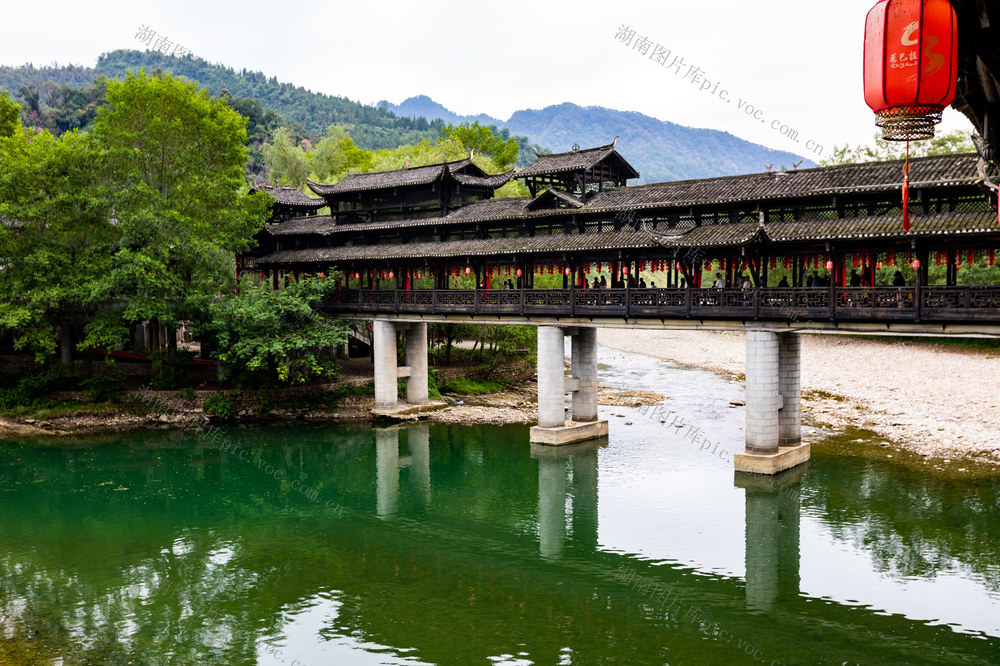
pixel 906 189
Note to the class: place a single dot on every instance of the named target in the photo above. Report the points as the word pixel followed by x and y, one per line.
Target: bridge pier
pixel 773 410
pixel 387 373
pixel 552 428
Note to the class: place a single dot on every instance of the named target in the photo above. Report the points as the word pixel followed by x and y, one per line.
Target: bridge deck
pixel 935 305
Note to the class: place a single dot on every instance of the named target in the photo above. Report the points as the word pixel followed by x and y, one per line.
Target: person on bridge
pixel 720 282
pixel 642 283
pixel 855 278
pixel 814 280
pixel 898 280
pixel 784 282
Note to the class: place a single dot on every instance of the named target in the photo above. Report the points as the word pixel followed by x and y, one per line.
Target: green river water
pixel 442 544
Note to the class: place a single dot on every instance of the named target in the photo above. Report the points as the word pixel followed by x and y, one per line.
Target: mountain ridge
pixel 659 149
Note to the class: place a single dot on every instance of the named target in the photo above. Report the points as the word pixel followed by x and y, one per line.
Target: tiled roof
pixel 574 160
pixel 466 248
pixel 928 172
pixel 553 193
pixel 821 181
pixel 464 171
pixel 855 228
pixel 289 196
pixel 712 235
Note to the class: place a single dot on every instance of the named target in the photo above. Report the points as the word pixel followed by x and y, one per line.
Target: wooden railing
pixel 910 303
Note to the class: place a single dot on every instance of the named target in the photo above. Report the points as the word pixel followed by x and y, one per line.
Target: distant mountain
pixel 660 150
pixel 423 106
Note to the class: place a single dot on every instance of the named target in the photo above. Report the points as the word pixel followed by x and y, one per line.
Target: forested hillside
pixel 370 127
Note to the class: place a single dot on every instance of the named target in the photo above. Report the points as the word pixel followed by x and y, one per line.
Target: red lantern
pixel 625 271
pixel 391 275
pixel 910 65
pixel 910 71
pixel 567 271
pixel 991 257
pixel 916 264
pixel 518 272
pixel 890 258
pixel 972 257
pixel 467 270
pixel 829 265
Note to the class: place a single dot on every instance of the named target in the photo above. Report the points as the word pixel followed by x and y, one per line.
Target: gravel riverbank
pixel 931 399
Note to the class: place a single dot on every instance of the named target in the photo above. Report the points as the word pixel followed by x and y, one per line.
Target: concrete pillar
pixel 416 359
pixel 762 395
pixel 418 440
pixel 551 505
pixel 387 472
pixel 790 388
pixel 384 348
pixel 551 378
pixel 584 363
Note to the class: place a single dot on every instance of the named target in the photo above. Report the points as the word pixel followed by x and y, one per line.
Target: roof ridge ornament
pixel 575 148
pixel 614 142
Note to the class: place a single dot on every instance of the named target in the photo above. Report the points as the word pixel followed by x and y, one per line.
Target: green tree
pixel 336 154
pixel 55 236
pixel 10 115
pixel 883 151
pixel 172 167
pixel 485 140
pixel 286 162
pixel 274 336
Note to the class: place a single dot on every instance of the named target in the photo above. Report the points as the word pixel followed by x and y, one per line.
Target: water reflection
pixel 772 536
pixel 161 548
pixel 553 509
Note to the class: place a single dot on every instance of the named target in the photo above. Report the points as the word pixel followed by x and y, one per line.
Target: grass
pixel 873 446
pixel 465 386
pixel 823 395
pixel 991 344
pixel 68 409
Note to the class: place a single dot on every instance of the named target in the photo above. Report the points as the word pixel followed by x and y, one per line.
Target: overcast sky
pixel 782 62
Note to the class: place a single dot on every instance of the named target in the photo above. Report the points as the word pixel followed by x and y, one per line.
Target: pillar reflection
pixel 772 536
pixel 554 489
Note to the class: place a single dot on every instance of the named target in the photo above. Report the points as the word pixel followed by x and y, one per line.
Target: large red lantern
pixel 910 71
pixel 911 65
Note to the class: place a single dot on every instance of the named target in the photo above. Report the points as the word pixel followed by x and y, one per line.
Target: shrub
pixel 50 379
pixel 186 394
pixel 219 405
pixel 171 369
pixel 103 388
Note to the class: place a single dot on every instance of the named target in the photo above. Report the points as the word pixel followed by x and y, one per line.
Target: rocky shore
pixel 930 399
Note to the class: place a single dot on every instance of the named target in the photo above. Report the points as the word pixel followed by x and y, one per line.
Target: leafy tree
pixel 274 336
pixel 286 163
pixel 172 166
pixel 55 236
pixel 882 151
pixel 484 140
pixel 336 154
pixel 10 115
